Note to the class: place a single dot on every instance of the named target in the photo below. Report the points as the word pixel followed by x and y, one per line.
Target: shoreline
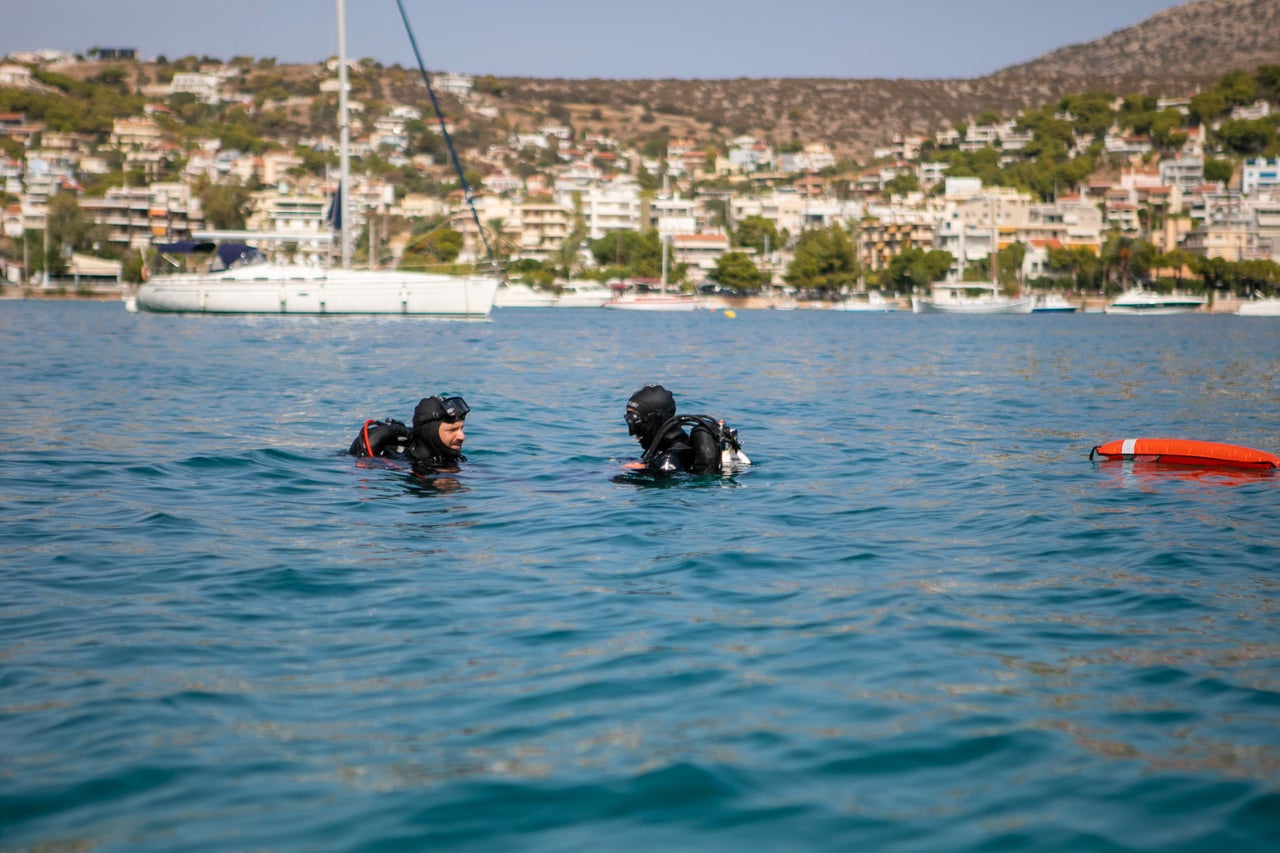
pixel 1084 305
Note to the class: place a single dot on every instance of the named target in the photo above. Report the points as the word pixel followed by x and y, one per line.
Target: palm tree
pixel 501 243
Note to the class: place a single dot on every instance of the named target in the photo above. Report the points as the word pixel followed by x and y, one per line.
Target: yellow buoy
pixel 730 313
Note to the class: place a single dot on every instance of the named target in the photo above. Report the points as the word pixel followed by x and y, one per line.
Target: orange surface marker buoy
pixel 1184 451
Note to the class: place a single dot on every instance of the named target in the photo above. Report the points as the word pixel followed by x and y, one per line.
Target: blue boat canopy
pixel 233 254
pixel 183 247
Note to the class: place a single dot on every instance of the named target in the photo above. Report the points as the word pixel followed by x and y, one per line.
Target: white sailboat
pixel 243 281
pixel 661 301
pixel 973 297
pixel 969 297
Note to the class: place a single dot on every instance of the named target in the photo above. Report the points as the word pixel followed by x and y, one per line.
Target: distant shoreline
pixel 1087 304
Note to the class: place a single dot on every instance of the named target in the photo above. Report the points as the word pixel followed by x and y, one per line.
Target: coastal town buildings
pixel 544 184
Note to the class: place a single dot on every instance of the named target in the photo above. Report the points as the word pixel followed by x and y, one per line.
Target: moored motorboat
pixel 1259 308
pixel 582 294
pixel 873 301
pixel 1139 300
pixel 1053 303
pixel 514 294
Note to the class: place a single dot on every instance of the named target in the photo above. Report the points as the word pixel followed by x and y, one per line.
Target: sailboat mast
pixel 665 237
pixel 995 249
pixel 344 138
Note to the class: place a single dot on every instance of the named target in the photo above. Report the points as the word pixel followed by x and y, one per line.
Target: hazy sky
pixel 595 38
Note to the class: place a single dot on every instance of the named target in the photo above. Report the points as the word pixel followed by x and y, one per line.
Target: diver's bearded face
pixel 452 435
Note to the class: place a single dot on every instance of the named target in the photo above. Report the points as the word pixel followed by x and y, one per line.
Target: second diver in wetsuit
pixel 705 449
pixel 433 443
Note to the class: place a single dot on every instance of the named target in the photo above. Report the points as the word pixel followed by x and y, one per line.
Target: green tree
pixel 914 267
pixel 631 252
pixel 1219 171
pixel 1248 136
pixel 226 206
pixel 70 226
pixel 1256 276
pixel 753 232
pixel 1178 261
pixel 1080 263
pixel 501 243
pixel 1092 111
pixel 825 260
pixel 903 183
pixel 735 270
pixel 440 245
pixel 1268 78
pixel 1238 87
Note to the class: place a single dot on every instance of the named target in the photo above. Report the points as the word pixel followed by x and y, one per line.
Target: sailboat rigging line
pixel 444 129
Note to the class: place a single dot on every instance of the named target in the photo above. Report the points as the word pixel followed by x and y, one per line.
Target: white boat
pixel 661 301
pixel 1139 300
pixel 1053 303
pixel 970 297
pixel 1259 308
pixel 514 294
pixel 576 293
pixel 240 280
pixel 974 297
pixel 873 301
pixel 654 302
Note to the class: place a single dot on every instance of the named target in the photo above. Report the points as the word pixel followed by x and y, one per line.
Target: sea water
pixel 923 620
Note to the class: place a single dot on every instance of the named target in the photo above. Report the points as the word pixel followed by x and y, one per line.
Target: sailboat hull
pixel 287 290
pixel 653 302
pixel 979 305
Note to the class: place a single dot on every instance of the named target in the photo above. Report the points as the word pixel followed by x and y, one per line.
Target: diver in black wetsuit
pixel 434 442
pixel 668 449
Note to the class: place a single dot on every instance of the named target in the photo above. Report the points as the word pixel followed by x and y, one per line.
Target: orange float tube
pixel 1184 451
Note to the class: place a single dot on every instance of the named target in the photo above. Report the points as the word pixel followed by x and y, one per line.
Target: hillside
pixel 1188 42
pixel 1174 52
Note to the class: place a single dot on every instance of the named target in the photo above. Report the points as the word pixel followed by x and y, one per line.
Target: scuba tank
pixel 378 438
pixel 731 455
pixel 725 437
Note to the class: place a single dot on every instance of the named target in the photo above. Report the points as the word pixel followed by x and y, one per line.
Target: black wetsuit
pixel 674 450
pixel 391 439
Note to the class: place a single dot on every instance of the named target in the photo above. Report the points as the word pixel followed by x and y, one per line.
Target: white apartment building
pixel 1260 175
pixel 1186 173
pixel 136 217
pixel 544 227
pixel 673 215
pixel 420 206
pixel 458 85
pixel 812 158
pixel 791 212
pixel 1232 238
pixel 133 134
pixel 699 251
pixel 15 76
pixel 203 86
pixel 284 213
pixel 606 207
